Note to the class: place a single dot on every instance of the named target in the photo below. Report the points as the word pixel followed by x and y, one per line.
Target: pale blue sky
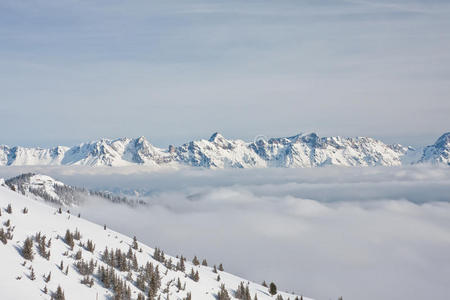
pixel 72 71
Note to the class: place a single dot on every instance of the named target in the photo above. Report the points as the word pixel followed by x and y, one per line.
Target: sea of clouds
pixel 361 233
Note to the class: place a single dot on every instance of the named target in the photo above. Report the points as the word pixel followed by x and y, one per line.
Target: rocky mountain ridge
pixel 299 151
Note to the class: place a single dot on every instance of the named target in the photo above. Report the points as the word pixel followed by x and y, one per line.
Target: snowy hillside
pixel 45 188
pixel 66 251
pixel 302 150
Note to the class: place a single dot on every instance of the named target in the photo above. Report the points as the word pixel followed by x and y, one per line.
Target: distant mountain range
pixel 299 151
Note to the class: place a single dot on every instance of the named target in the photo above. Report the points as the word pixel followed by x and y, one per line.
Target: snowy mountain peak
pixel 443 142
pixel 215 137
pixel 439 152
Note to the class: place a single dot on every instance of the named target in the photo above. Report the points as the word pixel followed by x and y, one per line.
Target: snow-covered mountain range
pixel 51 254
pixel 302 150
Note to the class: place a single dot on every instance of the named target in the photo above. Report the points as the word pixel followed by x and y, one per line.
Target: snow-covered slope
pixel 133 270
pixel 302 150
pixel 46 188
pixel 439 152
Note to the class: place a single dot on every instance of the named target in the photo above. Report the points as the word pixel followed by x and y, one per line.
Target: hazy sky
pixel 72 71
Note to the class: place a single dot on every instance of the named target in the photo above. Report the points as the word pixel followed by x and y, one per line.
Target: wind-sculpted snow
pixel 299 151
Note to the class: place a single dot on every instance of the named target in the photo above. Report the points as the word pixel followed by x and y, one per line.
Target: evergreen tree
pixel 196 276
pixel 214 269
pixel 141 296
pixel 223 293
pixel 264 284
pixel 32 274
pixel 25 210
pixel 78 255
pixel 135 243
pixel 272 289
pixel 59 295
pixel 279 297
pixel 69 239
pixel 9 209
pixel 188 296
pixel 48 277
pixel 27 250
pixel 204 263
pixel 195 261
pixel 90 246
pixel 221 267
pixel 3 238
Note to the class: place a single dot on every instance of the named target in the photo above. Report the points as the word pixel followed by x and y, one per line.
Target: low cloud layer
pixel 360 233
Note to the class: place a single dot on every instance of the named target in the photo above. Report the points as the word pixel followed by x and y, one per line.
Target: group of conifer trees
pixel 43 244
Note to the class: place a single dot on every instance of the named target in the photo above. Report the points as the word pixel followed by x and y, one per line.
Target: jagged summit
pixel 301 150
pixel 439 152
pixel 216 137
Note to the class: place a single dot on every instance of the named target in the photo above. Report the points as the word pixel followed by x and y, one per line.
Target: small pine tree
pixel 69 239
pixel 59 295
pixel 221 267
pixel 135 243
pixel 279 297
pixel 272 289
pixel 27 250
pixel 264 284
pixel 223 293
pixel 218 278
pixel 9 209
pixel 48 277
pixel 61 265
pixel 25 210
pixel 45 290
pixel 214 269
pixel 8 223
pixel 195 261
pixel 59 210
pixel 196 276
pixel 204 263
pixel 141 296
pixel 67 270
pixel 32 274
pixel 90 246
pixel 78 255
pixel 3 238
